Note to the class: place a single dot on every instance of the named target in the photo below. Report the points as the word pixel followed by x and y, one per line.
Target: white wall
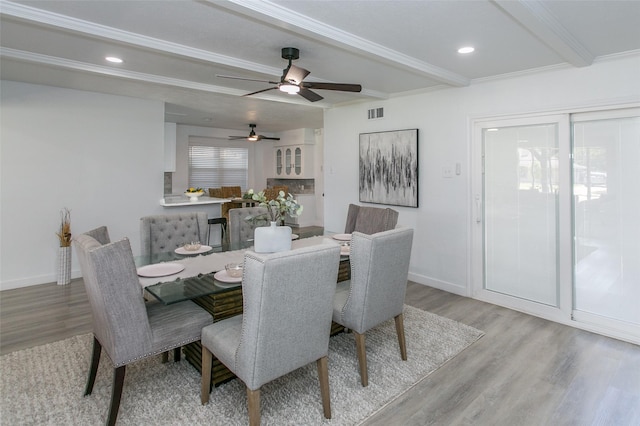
pixel 99 155
pixel 442 238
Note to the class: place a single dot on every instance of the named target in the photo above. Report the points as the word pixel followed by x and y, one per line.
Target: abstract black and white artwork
pixel 389 167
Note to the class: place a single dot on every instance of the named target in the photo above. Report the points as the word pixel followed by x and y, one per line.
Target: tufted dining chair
pixel 123 324
pixel 240 229
pixel 101 234
pixel 370 220
pixel 375 293
pixel 165 233
pixel 285 325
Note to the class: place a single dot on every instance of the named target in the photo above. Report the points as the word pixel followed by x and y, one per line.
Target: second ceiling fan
pixel 292 82
pixel 252 136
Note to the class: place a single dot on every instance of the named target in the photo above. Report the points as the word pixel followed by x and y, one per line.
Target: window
pixel 214 167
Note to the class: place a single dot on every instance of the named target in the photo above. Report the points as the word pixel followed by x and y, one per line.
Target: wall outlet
pixel 447 171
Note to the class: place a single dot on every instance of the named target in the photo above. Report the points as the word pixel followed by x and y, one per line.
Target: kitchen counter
pixel 182 200
pixel 210 205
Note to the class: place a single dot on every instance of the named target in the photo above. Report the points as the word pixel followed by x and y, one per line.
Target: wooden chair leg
pixel 116 394
pixel 93 369
pixel 323 376
pixel 253 404
pixel 362 358
pixel 177 352
pixel 205 384
pixel 165 357
pixel 400 331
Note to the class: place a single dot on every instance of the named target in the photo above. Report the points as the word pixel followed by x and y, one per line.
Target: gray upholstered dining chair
pixel 375 293
pixel 165 233
pixel 123 324
pixel 240 229
pixel 370 220
pixel 286 322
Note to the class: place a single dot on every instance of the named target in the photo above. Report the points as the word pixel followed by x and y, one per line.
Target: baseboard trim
pixel 440 285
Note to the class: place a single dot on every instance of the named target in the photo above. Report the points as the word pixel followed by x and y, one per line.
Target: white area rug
pixel 45 384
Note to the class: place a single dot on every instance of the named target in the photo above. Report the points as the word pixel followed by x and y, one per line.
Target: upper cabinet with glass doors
pixel 294 155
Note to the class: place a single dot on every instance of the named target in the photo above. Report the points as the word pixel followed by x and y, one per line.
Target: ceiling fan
pixel 252 136
pixel 291 80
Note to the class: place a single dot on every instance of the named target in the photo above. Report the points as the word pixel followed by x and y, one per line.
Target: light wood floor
pixel 524 371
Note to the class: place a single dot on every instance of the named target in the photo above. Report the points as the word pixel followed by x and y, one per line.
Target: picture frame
pixel 388 169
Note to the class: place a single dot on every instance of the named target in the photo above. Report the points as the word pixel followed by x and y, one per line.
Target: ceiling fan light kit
pixel 291 89
pixel 292 82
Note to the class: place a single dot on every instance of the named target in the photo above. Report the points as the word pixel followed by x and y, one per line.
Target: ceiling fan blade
pixel 246 79
pixel 296 74
pixel 309 95
pixel 333 86
pixel 237 137
pixel 260 137
pixel 260 91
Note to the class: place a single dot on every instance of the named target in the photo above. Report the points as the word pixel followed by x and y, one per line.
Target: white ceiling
pixel 173 50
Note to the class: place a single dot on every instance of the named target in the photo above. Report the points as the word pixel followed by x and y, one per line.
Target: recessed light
pixel 466 49
pixel 114 59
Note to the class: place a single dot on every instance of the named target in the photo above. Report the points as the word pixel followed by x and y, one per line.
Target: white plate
pixel 345 250
pixel 202 249
pixel 295 236
pixel 342 237
pixel 160 269
pixel 223 277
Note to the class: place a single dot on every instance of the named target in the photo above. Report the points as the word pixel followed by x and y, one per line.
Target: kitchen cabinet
pixel 295 161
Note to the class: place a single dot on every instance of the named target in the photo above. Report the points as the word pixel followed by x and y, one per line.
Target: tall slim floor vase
pixel 64 265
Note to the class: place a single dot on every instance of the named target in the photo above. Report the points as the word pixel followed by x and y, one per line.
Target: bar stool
pixel 222 221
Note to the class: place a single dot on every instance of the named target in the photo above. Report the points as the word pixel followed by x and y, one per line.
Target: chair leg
pixel 205 383
pixel 400 331
pixel 93 369
pixel 165 357
pixel 177 352
pixel 323 376
pixel 362 358
pixel 116 394
pixel 253 404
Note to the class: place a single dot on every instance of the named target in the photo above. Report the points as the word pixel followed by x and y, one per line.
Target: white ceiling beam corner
pixel 278 16
pixel 28 13
pixel 535 17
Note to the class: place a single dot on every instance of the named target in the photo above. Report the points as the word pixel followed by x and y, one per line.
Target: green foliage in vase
pixel 279 207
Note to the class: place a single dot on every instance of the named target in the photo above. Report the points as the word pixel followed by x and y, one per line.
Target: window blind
pixel 214 167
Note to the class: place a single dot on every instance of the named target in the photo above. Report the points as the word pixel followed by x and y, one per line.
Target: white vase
pixel 272 239
pixel 64 265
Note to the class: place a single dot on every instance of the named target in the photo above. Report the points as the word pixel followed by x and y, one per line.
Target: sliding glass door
pixel 556 229
pixel 606 194
pixel 520 191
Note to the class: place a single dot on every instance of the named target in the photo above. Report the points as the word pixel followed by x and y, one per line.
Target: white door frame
pixel 562 312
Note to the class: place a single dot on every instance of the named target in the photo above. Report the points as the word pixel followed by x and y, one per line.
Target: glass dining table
pixel 196 281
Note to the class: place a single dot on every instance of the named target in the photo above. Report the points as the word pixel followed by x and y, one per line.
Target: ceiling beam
pixel 281 17
pixel 536 18
pixel 69 64
pixel 27 13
